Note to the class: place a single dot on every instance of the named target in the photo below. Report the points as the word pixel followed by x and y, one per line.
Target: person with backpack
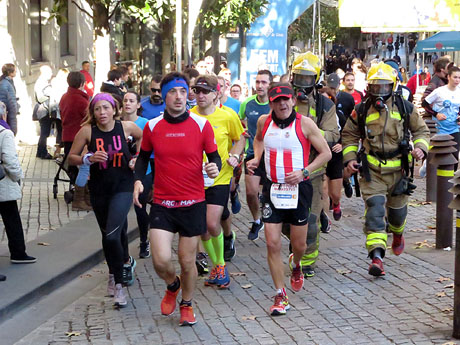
pixel 385 123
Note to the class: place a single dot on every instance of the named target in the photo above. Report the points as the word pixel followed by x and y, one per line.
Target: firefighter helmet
pixel 306 70
pixel 381 80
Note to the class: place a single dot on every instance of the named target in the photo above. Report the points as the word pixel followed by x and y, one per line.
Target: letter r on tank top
pixel 100 144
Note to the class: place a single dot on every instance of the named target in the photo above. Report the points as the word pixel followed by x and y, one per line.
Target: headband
pixel 103 97
pixel 176 82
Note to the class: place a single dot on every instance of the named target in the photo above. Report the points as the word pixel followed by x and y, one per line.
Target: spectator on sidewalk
pixel 8 95
pixel 43 91
pixel 10 191
pixel 112 85
pixel 74 106
pixel 89 83
pixel 412 82
pixel 439 79
pixel 58 87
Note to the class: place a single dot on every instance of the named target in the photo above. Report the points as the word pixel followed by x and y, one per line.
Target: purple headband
pixel 176 82
pixel 103 97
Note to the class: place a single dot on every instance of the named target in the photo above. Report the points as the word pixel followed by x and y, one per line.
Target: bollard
pixel 455 204
pixel 430 168
pixel 442 148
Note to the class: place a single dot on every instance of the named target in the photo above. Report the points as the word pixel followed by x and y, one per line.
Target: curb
pixel 72 250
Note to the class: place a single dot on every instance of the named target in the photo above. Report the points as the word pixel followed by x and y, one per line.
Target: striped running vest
pixel 286 149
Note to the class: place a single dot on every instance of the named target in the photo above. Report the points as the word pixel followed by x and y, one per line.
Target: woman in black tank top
pixel 111 185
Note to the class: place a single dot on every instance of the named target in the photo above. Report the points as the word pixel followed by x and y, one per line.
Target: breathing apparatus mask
pixel 379 93
pixel 303 85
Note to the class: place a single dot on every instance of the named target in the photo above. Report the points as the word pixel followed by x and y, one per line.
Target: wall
pixel 15 37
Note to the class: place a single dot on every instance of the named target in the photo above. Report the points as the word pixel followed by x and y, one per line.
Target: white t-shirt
pixel 445 101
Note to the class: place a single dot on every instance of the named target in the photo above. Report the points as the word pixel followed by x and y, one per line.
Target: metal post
pixel 442 148
pixel 455 204
pixel 319 32
pixel 456 333
pixel 179 35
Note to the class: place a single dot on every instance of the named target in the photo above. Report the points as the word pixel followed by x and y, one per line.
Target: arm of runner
pixel 258 145
pixel 140 169
pixel 235 152
pixel 214 164
pixel 81 140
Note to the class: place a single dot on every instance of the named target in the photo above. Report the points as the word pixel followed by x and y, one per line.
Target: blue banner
pixel 266 41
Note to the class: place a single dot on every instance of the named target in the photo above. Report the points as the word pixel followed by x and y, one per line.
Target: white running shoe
pixel 119 299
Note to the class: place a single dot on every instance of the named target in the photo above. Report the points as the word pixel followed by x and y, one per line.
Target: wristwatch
pixel 306 173
pixel 234 155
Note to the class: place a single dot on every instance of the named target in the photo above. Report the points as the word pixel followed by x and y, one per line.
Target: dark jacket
pixel 115 91
pixel 73 107
pixel 435 82
pixel 8 96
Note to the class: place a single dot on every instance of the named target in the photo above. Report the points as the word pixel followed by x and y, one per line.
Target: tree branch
pixel 115 9
pixel 82 9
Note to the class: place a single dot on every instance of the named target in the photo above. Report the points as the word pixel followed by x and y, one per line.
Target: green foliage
pixel 301 28
pixel 225 15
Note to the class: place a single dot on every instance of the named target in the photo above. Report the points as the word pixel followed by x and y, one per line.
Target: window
pixel 64 35
pixel 36 30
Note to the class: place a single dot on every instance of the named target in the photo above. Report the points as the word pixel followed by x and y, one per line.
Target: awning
pixel 440 42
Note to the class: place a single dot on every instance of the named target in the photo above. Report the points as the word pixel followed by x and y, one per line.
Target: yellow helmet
pixel 306 70
pixel 381 79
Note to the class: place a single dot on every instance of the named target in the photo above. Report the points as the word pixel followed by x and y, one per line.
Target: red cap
pixel 280 91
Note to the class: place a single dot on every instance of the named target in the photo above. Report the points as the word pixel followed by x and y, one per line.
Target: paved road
pixel 342 304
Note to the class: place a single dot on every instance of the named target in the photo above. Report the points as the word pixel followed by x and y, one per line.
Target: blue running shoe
pixel 212 280
pixel 223 278
pixel 128 272
pixel 236 204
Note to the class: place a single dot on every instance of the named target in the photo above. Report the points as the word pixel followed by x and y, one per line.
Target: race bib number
pixel 208 182
pixel 284 196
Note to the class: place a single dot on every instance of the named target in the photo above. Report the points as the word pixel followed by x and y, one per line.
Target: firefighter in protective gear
pixel 306 71
pixel 384 122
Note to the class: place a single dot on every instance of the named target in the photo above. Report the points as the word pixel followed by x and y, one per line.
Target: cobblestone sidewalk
pixel 342 304
pixel 40 212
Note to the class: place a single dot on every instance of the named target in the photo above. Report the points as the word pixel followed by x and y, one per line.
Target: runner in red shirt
pixel 178 140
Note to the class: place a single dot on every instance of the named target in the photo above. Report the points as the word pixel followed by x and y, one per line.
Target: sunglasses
pixel 155 90
pixel 197 90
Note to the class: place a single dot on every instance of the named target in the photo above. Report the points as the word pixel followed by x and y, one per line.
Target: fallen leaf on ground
pixel 443 279
pixel 447 310
pixel 43 244
pixel 87 275
pixel 343 271
pixel 247 286
pixel 246 318
pixel 441 294
pixel 237 274
pixel 425 203
pixel 425 243
pixel 422 230
pixel 431 226
pixel 72 334
pixel 449 286
pixel 413 204
pixel 450 343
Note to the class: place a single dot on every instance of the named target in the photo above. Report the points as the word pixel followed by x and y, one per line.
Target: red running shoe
pixel 187 316
pixel 296 277
pixel 376 268
pixel 336 212
pixel 168 303
pixel 280 306
pixel 398 244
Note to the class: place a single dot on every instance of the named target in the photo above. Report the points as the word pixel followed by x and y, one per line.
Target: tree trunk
pixel 215 50
pixel 102 44
pixel 166 44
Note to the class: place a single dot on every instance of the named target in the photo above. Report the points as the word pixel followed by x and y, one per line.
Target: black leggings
pixel 111 213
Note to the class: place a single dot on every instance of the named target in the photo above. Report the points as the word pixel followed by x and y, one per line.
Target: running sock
pixel 281 291
pixel 187 303
pixel 257 221
pixel 228 237
pixel 218 244
pixel 209 247
pixel 377 253
pixel 174 286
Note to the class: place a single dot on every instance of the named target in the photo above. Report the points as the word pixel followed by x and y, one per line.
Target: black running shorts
pixel 334 169
pixel 188 221
pixel 217 195
pixel 298 216
pixel 260 171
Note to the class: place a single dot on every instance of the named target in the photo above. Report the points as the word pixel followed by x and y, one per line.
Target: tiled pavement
pixel 342 304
